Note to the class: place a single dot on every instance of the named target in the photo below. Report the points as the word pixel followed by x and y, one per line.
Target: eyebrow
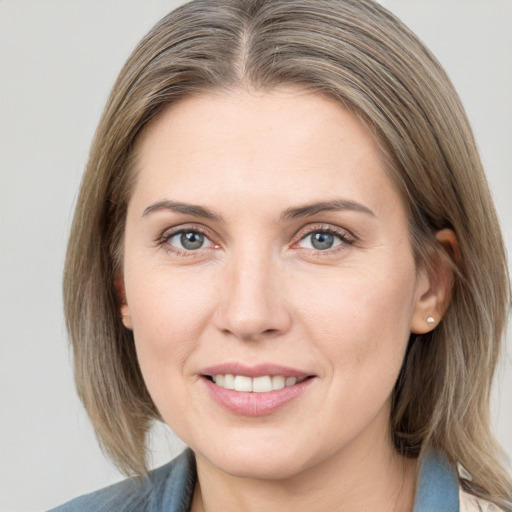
pixel 290 213
pixel 187 209
pixel 325 206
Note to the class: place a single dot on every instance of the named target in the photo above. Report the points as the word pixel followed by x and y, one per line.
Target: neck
pixel 352 480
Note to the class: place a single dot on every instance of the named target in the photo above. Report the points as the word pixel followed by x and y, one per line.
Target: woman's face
pixel 266 246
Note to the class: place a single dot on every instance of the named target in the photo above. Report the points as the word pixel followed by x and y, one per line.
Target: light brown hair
pixel 358 53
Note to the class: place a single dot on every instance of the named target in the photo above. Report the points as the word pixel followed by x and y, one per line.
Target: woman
pixel 285 248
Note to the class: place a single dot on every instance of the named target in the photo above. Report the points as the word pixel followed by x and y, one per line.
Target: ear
pixel 121 296
pixel 435 285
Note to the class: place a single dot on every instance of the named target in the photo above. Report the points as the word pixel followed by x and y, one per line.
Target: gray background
pixel 58 60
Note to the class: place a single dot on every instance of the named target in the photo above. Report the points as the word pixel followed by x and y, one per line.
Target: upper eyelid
pixel 312 228
pixel 172 231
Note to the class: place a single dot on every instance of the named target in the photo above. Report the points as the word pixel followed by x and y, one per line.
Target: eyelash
pixel 164 239
pixel 345 237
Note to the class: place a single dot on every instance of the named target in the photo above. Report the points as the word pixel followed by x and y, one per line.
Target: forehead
pixel 287 142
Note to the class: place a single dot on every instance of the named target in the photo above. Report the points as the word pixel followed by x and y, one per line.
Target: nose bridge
pixel 252 305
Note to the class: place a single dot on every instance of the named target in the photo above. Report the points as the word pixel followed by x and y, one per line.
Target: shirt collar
pixel 437 490
pixel 438 486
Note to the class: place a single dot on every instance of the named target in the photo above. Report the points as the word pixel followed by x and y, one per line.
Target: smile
pixel 263 384
pixel 255 390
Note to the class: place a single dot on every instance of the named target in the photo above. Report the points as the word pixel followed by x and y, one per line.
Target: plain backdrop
pixel 58 60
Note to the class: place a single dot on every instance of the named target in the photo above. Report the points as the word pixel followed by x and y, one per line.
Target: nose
pixel 252 302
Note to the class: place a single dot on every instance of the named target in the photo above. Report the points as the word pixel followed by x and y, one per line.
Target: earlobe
pixel 435 285
pixel 121 296
pixel 125 316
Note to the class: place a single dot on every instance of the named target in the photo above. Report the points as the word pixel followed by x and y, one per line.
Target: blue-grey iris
pixel 322 241
pixel 191 240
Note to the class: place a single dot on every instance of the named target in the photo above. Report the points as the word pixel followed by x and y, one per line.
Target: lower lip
pixel 255 404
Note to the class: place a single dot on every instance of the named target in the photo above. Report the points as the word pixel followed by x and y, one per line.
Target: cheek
pixel 169 312
pixel 361 316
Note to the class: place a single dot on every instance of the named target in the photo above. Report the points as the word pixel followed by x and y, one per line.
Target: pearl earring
pixel 431 320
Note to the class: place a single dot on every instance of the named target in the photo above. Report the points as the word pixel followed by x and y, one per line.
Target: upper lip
pixel 258 370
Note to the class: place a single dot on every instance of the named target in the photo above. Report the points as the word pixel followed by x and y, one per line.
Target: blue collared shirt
pixel 438 486
pixel 170 489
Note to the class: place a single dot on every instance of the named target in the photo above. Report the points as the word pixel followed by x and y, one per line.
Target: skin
pixel 257 291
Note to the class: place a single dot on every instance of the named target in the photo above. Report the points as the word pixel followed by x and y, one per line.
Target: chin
pixel 275 460
pixel 259 466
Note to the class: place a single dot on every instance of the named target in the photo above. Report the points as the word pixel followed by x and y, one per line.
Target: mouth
pixel 261 384
pixel 255 390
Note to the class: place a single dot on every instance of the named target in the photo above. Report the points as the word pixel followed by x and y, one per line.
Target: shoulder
pixel 470 503
pixel 439 488
pixel 168 488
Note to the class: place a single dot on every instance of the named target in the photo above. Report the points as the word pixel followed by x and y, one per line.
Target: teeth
pixel 229 382
pixel 262 384
pixel 278 382
pixel 243 383
pixel 290 381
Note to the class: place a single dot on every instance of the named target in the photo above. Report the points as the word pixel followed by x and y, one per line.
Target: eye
pixel 187 240
pixel 323 240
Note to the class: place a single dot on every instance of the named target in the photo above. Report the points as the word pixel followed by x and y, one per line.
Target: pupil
pixel 192 240
pixel 322 241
